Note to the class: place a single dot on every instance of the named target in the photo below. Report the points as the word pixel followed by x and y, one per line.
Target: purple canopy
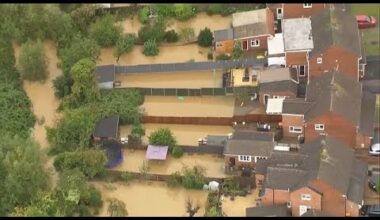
pixel 155 152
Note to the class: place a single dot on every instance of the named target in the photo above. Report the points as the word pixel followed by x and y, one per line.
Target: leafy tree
pixel 33 61
pixel 143 15
pixel 205 38
pixel 193 178
pixel 44 204
pixel 237 51
pixel 215 9
pixel 187 33
pixel 84 16
pixel 90 161
pixel 124 45
pixel 213 212
pixel 177 152
pixel 7 58
pixel 153 32
pixel 165 10
pixel 164 137
pixel 150 48
pixel 184 11
pixel 105 32
pixel 62 85
pixel 171 36
pixel 116 208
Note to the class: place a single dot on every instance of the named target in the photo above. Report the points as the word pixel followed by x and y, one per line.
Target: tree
pixel 187 33
pixel 137 130
pixel 150 48
pixel 105 32
pixel 85 88
pixel 7 58
pixel 164 137
pixel 124 45
pixel 116 208
pixel 33 61
pixel 153 32
pixel 84 16
pixel 190 208
pixel 237 51
pixel 143 15
pixel 184 11
pixel 205 38
pixel 171 36
pixel 215 9
pixel 193 178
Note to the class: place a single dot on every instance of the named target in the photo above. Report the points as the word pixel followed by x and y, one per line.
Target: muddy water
pixel 44 103
pixel 238 206
pixel 151 198
pixel 185 134
pixel 213 164
pixel 205 106
pixel 198 79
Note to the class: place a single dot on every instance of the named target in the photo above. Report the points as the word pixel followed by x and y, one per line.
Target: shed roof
pixel 274 106
pixel 216 140
pixel 252 23
pixel 155 152
pixel 241 134
pixel 249 147
pixel 107 127
pixel 279 86
pixel 249 17
pixel 276 44
pixel 222 35
pixel 297 34
pixel 367 113
pixel 105 73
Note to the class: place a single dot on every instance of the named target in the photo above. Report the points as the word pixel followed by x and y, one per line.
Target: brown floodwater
pixel 190 79
pixel 148 198
pixel 191 106
pixel 238 206
pixel 185 134
pixel 133 159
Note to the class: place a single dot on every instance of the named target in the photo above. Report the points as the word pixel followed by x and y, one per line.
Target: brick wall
pixel 298 11
pixel 280 197
pixel 295 58
pixel 314 202
pixel 291 120
pixel 226 46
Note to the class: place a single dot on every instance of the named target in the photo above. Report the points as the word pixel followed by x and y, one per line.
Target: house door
pixel 232 161
pixel 266 97
pixel 245 44
pixel 303 209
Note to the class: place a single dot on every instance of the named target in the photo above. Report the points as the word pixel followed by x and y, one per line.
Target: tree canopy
pixel 105 32
pixel 163 136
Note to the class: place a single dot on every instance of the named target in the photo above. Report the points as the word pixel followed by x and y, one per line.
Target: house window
pixel 319 127
pixel 307 5
pixel 279 13
pixel 295 129
pixel 319 60
pixel 219 44
pixel 255 43
pixel 306 197
pixel 244 158
pixel 301 70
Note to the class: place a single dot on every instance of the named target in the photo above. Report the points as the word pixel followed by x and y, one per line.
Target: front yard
pixel 372 35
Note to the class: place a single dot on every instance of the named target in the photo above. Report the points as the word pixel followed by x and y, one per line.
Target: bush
pixel 228 11
pixel 171 36
pixel 126 176
pixel 223 57
pixel 165 10
pixel 152 32
pixel 62 85
pixel 174 180
pixel 177 152
pixel 163 136
pixel 237 51
pixel 33 61
pixel 214 9
pixel 205 38
pixel 184 11
pixel 144 14
pixel 150 48
pixel 94 198
pixel 105 32
pixel 210 56
pixel 193 178
pixel 187 34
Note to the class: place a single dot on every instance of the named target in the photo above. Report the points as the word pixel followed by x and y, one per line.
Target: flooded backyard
pixel 133 159
pixel 238 206
pixel 189 79
pixel 190 106
pixel 149 198
pixel 187 135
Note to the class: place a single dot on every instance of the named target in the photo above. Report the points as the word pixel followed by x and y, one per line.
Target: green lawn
pixel 372 35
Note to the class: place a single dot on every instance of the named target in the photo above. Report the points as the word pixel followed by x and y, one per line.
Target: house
pixel 267 211
pixel 105 76
pixel 107 129
pixel 323 176
pixel 245 148
pixel 223 40
pixel 252 29
pixel 337 45
pixel 293 111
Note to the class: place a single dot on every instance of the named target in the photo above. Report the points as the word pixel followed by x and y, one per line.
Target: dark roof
pixel 279 86
pixel 372 68
pixel 222 35
pixel 215 140
pixel 285 178
pixel 105 73
pixel 249 147
pixel 314 213
pixel 253 135
pixel 357 182
pixel 334 92
pixel 332 27
pixel 296 106
pixel 107 127
pixel 267 211
pixel 367 113
pixel 113 152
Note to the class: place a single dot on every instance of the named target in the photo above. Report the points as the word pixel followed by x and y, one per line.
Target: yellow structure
pixel 242 77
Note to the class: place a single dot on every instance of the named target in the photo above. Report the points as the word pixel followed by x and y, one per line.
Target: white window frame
pixel 245 158
pixel 307 5
pixel 305 197
pixel 279 15
pixel 291 129
pixel 219 44
pixel 319 60
pixel 319 127
pixel 254 44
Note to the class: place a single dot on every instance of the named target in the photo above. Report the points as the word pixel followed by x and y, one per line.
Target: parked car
pixel 370 210
pixel 365 21
pixel 375 178
pixel 375 149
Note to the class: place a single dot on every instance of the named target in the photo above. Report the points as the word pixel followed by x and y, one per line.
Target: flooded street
pixel 238 206
pixel 133 159
pixel 191 106
pixel 187 135
pixel 189 79
pixel 44 103
pixel 149 198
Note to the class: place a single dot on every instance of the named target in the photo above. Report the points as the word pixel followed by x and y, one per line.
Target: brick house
pixel 223 41
pixel 107 129
pixel 323 176
pixel 245 148
pixel 293 111
pixel 337 45
pixel 252 29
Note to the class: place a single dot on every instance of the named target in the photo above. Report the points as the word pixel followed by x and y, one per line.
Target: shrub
pixel 174 180
pixel 165 10
pixel 144 14
pixel 105 32
pixel 193 178
pixel 152 32
pixel 223 57
pixel 187 34
pixel 184 11
pixel 214 212
pixel 205 38
pixel 210 56
pixel 214 9
pixel 150 48
pixel 171 36
pixel 94 198
pixel 163 136
pixel 177 152
pixel 126 176
pixel 237 51
pixel 228 11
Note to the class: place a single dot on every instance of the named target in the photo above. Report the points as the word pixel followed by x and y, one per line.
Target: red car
pixel 365 21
